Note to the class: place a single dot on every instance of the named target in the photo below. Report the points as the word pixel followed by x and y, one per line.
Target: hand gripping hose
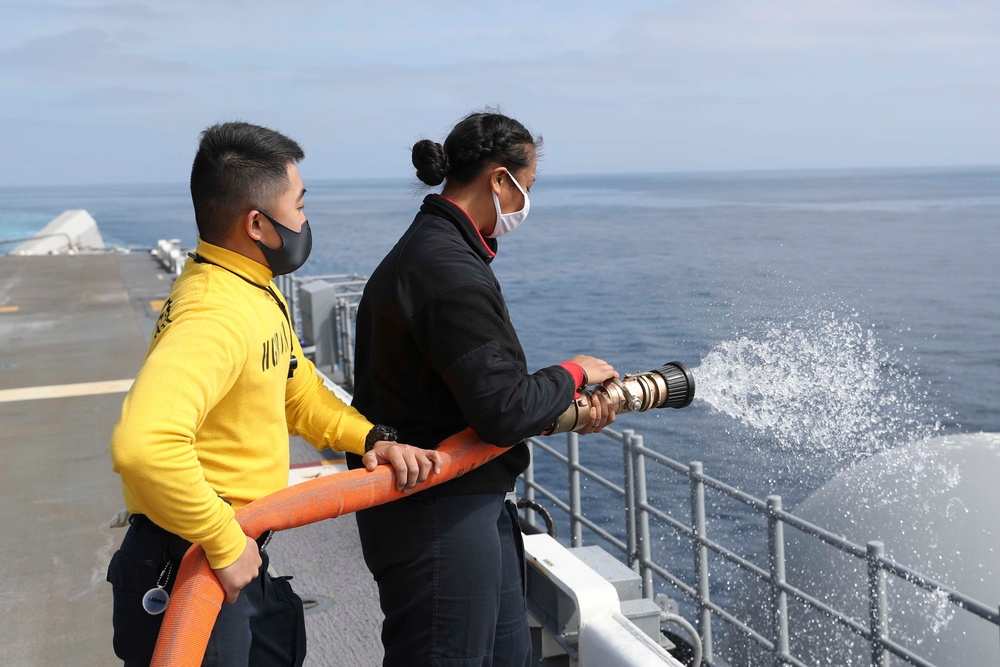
pixel 197 596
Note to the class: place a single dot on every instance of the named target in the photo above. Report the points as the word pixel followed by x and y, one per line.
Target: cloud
pixel 827 26
pixel 637 85
pixel 119 96
pixel 89 55
pixel 713 49
pixel 119 11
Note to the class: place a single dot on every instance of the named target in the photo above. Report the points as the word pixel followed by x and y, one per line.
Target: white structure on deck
pixel 68 232
pixel 581 613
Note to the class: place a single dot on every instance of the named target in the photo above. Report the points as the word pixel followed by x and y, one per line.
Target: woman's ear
pixel 496 179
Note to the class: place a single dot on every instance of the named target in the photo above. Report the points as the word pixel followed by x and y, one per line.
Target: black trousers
pixel 450 573
pixel 264 627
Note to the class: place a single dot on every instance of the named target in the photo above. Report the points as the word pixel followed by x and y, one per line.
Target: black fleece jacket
pixel 436 351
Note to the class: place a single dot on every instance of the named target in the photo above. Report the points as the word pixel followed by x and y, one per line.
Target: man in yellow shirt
pixel 204 429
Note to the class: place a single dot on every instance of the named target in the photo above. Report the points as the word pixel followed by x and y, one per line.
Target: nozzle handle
pixel 669 386
pixel 680 384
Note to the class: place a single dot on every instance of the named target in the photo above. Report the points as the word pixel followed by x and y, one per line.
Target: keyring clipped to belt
pixel 156 599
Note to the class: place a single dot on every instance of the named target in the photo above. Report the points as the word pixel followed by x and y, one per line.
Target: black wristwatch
pixel 378 433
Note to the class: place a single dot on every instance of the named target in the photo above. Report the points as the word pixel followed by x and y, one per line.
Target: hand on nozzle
pixel 601 412
pixel 597 370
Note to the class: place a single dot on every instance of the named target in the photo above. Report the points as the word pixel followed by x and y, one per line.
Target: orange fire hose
pixel 197 596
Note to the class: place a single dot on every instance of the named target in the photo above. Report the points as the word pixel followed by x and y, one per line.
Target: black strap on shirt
pixel 293 362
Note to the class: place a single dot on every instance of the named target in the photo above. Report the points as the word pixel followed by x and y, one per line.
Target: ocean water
pixel 828 315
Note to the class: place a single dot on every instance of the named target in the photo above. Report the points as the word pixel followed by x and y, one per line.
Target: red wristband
pixel 579 376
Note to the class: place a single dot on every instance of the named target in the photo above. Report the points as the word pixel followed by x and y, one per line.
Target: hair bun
pixel 430 161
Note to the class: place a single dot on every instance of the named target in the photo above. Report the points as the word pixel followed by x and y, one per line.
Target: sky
pixel 107 92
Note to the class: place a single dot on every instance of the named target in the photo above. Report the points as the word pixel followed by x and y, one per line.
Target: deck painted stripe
pixel 9 309
pixel 317 464
pixel 156 305
pixel 65 390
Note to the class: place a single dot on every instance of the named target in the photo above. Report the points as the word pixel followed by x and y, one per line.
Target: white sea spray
pixel 818 382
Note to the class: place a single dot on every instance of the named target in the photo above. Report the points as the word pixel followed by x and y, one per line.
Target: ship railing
pixel 290 284
pixel 636 547
pixel 328 339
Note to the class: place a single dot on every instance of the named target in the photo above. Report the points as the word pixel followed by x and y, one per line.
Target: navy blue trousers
pixel 450 574
pixel 263 627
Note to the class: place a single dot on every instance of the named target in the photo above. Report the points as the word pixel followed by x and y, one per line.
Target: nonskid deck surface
pixel 73 332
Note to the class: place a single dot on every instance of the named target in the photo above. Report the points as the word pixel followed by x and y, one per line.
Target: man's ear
pixel 251 224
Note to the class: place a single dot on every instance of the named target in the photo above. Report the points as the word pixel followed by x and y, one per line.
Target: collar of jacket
pixel 242 266
pixel 445 208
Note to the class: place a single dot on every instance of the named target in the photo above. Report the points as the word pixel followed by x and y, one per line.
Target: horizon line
pixel 564 175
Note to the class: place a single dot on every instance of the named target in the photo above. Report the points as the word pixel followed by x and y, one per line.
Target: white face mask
pixel 508 222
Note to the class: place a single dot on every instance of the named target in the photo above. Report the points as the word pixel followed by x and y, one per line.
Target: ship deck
pixel 73 332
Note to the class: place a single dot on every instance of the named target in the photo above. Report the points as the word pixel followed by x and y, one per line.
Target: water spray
pixel 669 386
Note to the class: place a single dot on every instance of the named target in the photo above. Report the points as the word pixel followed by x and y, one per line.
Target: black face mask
pixel 294 250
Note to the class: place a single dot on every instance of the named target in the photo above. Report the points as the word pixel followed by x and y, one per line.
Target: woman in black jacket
pixel 437 353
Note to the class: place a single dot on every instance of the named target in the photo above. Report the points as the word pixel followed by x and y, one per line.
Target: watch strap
pixel 379 432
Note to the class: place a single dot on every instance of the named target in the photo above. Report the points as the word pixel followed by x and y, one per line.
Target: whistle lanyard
pixel 267 288
pixel 293 362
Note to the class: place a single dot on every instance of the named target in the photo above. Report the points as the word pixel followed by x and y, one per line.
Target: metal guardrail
pixel 343 316
pixel 639 512
pixel 289 287
pixel 637 550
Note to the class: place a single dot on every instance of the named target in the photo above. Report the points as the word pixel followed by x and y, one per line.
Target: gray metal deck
pixel 67 322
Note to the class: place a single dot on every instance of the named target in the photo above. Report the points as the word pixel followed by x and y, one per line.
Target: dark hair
pixel 237 166
pixel 478 140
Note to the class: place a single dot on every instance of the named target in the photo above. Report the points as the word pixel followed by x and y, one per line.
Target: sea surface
pixel 828 315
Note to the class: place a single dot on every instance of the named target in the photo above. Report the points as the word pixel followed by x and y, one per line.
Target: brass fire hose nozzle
pixel 669 386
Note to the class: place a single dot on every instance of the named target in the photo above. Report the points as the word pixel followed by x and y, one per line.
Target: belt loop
pixel 174 545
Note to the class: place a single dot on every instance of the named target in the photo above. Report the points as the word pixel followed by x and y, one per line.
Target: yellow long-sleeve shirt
pixel 211 408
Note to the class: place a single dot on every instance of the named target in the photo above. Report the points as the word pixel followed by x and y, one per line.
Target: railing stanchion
pixel 878 608
pixel 699 524
pixel 573 454
pixel 642 519
pixel 528 482
pixel 292 296
pixel 779 599
pixel 336 334
pixel 349 312
pixel 629 485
